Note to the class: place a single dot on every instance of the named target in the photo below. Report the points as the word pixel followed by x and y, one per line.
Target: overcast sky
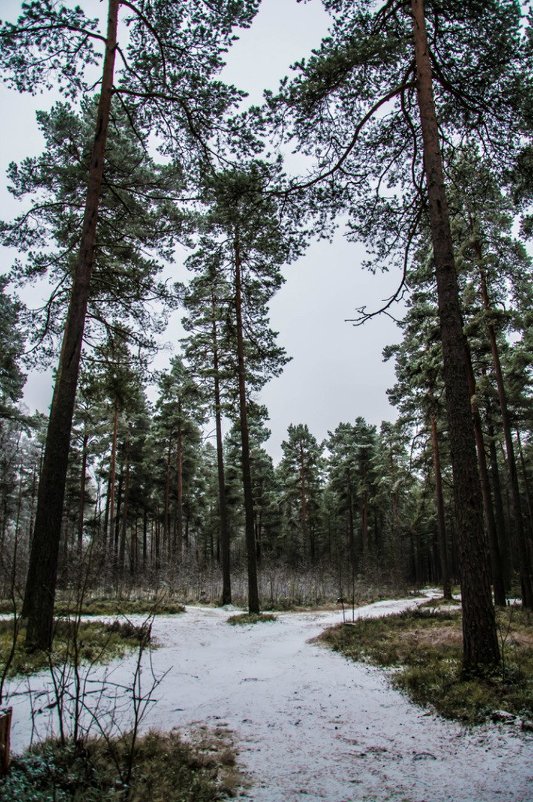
pixel 336 371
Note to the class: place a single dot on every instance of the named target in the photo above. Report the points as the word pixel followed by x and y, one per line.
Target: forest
pixel 411 126
pixel 161 194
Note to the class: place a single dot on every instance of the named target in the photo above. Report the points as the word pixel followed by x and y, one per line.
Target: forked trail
pixel 310 725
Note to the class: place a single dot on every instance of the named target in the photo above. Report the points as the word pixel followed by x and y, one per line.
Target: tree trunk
pixel 166 507
pixel 134 547
pixel 441 518
pixel 480 639
pixel 526 574
pixel 365 546
pixel 124 524
pixel 253 590
pixel 307 542
pixel 222 506
pixel 83 482
pixel 112 480
pixel 525 479
pixel 351 545
pixel 145 536
pixel 105 528
pixel 499 515
pixel 5 739
pixel 116 532
pixel 178 544
pixel 490 521
pixel 157 543
pixel 42 571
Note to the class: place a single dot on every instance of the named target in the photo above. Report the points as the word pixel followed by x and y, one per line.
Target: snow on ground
pixel 309 724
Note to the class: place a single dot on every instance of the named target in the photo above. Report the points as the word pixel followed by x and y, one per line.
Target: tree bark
pixel 441 518
pixel 157 543
pixel 112 482
pixel 166 508
pixel 253 591
pixel 525 478
pixel 365 545
pixel 490 521
pixel 5 739
pixel 83 483
pixel 104 530
pixel 307 541
pixel 145 536
pixel 222 506
pixel 125 513
pixel 116 527
pixel 42 571
pixel 178 544
pixel 525 569
pixel 499 515
pixel 134 547
pixel 480 640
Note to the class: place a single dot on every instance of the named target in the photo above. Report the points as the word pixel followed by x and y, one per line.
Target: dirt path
pixel 310 725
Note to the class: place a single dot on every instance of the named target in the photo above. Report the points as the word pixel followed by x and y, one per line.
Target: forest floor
pixel 308 724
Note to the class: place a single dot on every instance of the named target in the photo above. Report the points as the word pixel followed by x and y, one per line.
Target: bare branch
pixel 402 288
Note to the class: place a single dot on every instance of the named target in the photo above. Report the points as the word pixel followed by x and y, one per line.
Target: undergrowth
pixel 426 647
pixel 96 642
pixel 166 769
pixel 108 606
pixel 250 618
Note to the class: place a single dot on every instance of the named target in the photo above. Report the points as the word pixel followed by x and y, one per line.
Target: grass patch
pixel 97 642
pixel 165 769
pixel 250 618
pixel 426 647
pixel 437 603
pixel 108 606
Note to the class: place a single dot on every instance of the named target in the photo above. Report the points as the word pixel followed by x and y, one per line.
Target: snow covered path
pixel 310 725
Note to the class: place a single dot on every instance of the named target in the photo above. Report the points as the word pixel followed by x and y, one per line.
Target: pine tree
pixel 173 52
pixel 300 476
pixel 180 412
pixel 418 392
pixel 372 103
pixel 496 267
pixel 12 378
pixel 207 301
pixel 247 241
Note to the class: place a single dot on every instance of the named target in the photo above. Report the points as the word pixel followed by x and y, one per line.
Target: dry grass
pixel 426 646
pixel 214 750
pixel 166 768
pixel 97 642
pixel 107 605
pixel 445 636
pixel 242 619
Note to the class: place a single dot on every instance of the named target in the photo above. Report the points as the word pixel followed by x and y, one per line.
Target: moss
pixel 250 618
pixel 426 647
pixel 96 641
pixel 164 769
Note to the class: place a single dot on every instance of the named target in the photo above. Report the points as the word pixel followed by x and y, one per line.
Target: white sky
pixel 336 371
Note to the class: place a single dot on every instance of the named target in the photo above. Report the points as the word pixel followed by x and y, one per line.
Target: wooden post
pixel 5 732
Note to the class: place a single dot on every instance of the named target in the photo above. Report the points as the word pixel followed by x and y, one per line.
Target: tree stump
pixel 5 732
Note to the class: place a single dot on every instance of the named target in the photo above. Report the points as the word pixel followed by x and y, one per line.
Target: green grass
pixel 426 647
pixel 97 642
pixel 250 618
pixel 165 769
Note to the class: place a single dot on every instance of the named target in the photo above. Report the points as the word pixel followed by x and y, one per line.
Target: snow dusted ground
pixel 309 724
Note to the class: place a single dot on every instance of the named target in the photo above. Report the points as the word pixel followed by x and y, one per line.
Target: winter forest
pixel 162 194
